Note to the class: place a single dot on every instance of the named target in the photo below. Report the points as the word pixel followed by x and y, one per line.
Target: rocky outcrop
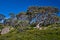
pixel 5 30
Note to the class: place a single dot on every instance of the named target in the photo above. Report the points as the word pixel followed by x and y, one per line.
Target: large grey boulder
pixel 5 30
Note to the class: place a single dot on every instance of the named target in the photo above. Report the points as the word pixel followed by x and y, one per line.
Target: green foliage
pixel 54 25
pixel 1 27
pixel 33 34
pixel 22 30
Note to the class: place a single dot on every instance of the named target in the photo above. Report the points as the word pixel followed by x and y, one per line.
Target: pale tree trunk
pixel 37 26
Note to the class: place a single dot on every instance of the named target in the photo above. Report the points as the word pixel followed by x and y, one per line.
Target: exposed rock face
pixel 5 30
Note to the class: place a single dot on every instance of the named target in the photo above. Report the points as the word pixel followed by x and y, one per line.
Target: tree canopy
pixel 34 15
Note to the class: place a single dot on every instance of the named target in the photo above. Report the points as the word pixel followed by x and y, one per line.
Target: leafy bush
pixel 1 27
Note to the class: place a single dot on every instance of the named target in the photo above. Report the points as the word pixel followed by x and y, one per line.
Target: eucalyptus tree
pixel 42 15
pixel 13 19
pixel 7 22
pixel 12 15
pixel 2 17
pixel 22 19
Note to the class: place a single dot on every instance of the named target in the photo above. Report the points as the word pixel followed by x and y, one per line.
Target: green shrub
pixel 33 34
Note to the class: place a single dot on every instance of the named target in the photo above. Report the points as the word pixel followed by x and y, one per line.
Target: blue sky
pixel 16 6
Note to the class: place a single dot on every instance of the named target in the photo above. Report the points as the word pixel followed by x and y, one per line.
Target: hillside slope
pixel 33 34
